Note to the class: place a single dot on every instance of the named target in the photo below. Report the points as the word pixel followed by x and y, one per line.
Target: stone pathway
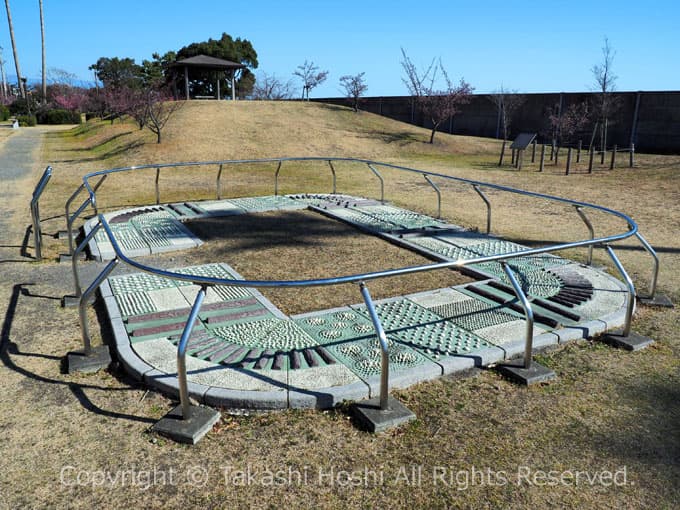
pixel 244 352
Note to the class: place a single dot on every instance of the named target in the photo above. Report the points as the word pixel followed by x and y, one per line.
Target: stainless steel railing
pixel 204 281
pixel 35 211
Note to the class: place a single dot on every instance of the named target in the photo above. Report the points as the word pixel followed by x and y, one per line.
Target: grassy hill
pixel 210 130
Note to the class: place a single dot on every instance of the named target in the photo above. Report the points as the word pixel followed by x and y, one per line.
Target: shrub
pixel 4 113
pixel 22 106
pixel 59 116
pixel 27 120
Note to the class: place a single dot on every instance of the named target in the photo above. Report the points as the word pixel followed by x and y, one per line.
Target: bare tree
pixel 270 87
pixel 441 105
pixel 311 77
pixel 42 43
pixel 605 84
pixel 565 124
pixel 159 110
pixel 416 81
pixel 354 87
pixel 438 105
pixel 507 102
pixel 22 89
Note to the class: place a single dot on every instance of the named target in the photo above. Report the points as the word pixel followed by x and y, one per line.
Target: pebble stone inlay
pixel 266 334
pixel 472 314
pixel 401 217
pixel 268 203
pixel 363 356
pixel 336 327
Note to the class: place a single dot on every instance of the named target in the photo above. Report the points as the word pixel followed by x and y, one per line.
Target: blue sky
pixel 546 46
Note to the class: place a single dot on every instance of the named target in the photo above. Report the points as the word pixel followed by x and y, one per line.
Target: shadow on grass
pixel 9 352
pixel 106 155
pixel 258 231
pixel 401 138
pixel 98 144
pixel 652 434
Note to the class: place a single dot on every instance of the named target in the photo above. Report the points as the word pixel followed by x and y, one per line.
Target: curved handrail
pixel 206 281
pixel 632 227
pixel 499 187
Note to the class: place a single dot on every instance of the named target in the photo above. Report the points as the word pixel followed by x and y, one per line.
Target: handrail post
pixel 158 192
pixel 382 182
pixel 85 298
pixel 528 312
pixel 631 291
pixel 35 210
pixel 382 339
pixel 218 183
pixel 76 254
pixel 69 220
pixel 488 206
pixel 585 219
pixel 69 225
pixel 330 163
pixel 655 274
pixel 439 195
pixel 182 354
pixel 276 179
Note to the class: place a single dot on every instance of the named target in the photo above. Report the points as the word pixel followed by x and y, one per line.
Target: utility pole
pixel 22 90
pixel 42 39
pixel 4 78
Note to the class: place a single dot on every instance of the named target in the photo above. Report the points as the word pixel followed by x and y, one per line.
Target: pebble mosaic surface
pixel 321 357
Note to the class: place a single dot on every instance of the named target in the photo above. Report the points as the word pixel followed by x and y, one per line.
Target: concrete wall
pixel 655 128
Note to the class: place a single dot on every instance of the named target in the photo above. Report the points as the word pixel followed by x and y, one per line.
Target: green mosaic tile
pixel 275 334
pixel 364 220
pixel 401 217
pixel 473 314
pixel 267 203
pixel 134 303
pixel 138 282
pixel 363 357
pixel 401 313
pixel 442 339
pixel 126 236
pixel 534 281
pixel 336 326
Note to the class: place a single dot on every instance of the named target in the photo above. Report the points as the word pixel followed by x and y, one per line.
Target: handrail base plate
pixel 535 374
pixel 190 431
pixel 370 417
pixel 632 342
pixel 659 300
pixel 98 359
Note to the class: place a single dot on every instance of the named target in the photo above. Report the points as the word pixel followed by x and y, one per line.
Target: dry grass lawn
pixel 81 441
pixel 299 245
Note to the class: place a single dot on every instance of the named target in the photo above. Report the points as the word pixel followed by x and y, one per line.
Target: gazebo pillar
pixel 186 81
pixel 233 86
pixel 218 86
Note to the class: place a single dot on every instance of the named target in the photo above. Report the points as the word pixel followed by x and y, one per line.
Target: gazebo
pixel 204 62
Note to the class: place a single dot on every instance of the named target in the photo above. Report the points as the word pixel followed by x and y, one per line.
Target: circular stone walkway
pixel 245 353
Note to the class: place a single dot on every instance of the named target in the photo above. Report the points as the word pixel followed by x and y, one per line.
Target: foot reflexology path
pixel 244 352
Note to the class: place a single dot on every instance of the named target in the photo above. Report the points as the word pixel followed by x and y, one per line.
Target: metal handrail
pixel 35 210
pixel 361 278
pixel 69 220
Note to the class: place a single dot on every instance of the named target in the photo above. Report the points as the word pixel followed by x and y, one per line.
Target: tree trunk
pixel 500 161
pixel 42 37
pixel 435 125
pixel 22 90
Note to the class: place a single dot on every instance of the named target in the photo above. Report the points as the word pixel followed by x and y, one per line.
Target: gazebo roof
pixel 207 62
